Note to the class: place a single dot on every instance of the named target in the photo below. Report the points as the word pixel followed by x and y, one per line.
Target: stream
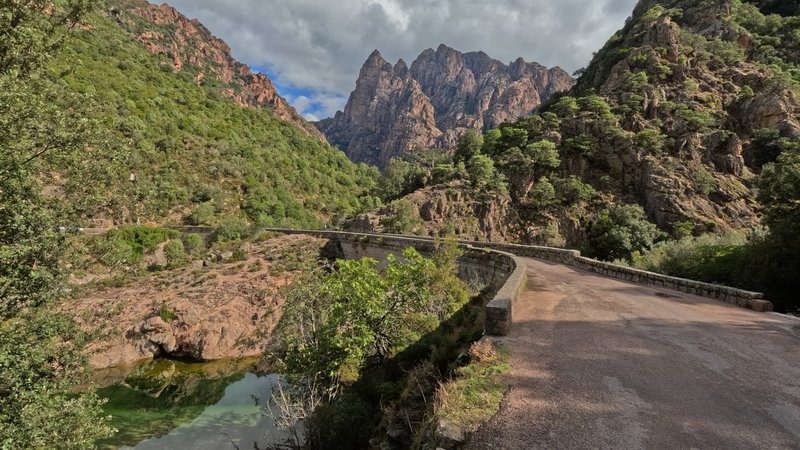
pixel 171 405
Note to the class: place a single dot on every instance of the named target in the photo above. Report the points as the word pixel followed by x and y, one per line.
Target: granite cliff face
pixel 395 109
pixel 695 74
pixel 190 47
pixel 678 113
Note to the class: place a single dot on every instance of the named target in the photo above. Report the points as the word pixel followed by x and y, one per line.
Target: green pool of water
pixel 170 405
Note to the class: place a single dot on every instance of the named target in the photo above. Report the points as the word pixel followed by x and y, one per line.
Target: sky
pixel 313 49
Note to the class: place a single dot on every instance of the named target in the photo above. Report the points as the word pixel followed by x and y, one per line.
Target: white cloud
pixel 311 117
pixel 320 45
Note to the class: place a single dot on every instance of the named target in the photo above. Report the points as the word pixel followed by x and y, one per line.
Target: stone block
pixel 760 305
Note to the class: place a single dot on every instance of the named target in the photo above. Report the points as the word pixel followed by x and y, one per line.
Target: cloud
pixel 319 45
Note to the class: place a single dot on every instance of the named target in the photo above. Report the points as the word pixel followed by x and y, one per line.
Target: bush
pixel 126 245
pixel 166 314
pixel 402 218
pixel 651 141
pixel 175 253
pixel 232 228
pixel 239 255
pixel 620 232
pixel 707 258
pixel 193 243
pixel 573 190
pixel 202 215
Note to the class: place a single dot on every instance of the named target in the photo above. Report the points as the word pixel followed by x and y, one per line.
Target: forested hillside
pixel 191 153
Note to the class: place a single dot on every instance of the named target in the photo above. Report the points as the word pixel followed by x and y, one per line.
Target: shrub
pixel 193 243
pixel 175 253
pixel 651 141
pixel 621 231
pixel 573 190
pixel 696 119
pixel 707 258
pixel 232 228
pixel 166 314
pixel 543 193
pixel 202 215
pixel 704 182
pixel 402 218
pixel 127 244
pixel 239 255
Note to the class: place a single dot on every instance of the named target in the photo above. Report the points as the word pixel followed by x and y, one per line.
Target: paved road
pixel 601 363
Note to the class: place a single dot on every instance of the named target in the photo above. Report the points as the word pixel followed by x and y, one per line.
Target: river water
pixel 170 405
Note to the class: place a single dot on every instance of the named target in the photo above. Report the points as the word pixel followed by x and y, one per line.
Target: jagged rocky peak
pixel 190 46
pixel 401 68
pixel 444 92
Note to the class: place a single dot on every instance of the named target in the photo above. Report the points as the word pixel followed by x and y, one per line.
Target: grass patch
pixel 474 394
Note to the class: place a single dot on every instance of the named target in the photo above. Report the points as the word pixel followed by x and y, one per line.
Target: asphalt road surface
pixel 602 363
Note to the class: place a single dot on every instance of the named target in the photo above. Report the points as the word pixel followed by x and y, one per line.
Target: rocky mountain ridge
pixel 396 108
pixel 676 114
pixel 189 46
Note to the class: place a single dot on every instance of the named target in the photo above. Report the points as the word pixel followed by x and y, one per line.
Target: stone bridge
pixel 604 356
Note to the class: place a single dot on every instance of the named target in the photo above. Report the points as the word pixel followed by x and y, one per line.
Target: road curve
pixel 602 363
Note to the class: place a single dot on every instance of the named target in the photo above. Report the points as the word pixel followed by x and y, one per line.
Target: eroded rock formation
pixel 395 109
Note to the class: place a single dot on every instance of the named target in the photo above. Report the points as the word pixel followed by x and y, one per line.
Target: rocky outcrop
pixel 190 46
pixel 395 109
pixel 696 78
pixel 449 209
pixel 387 113
pixel 207 311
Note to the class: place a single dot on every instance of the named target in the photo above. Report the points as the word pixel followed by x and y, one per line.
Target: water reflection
pixel 236 418
pixel 167 405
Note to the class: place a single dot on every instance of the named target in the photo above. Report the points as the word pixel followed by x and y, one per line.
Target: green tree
pixel 43 128
pixel 469 144
pixel 524 166
pixel 482 173
pixel 768 145
pixel 400 178
pixel 402 217
pixel 566 107
pixel 336 323
pixel 779 192
pixel 620 232
pixel 543 193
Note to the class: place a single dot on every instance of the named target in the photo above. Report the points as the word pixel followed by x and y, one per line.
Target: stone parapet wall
pixel 500 274
pixel 734 296
pixel 501 269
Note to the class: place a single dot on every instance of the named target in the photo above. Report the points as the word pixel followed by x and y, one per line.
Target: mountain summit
pixel 395 109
